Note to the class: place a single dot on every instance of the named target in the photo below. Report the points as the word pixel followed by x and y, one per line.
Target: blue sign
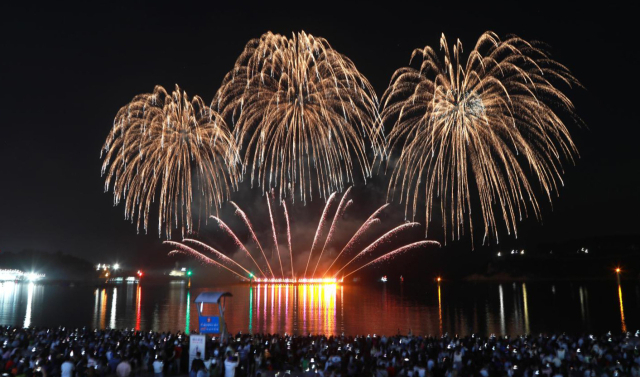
pixel 209 324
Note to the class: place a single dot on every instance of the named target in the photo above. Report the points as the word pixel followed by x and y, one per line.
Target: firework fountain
pixel 347 261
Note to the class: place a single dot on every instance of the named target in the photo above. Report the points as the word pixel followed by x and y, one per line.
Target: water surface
pixel 460 308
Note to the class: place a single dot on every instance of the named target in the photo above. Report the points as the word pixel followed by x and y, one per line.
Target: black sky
pixel 66 70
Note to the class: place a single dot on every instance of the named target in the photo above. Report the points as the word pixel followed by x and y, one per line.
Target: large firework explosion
pixel 352 257
pixel 479 122
pixel 169 145
pixel 302 112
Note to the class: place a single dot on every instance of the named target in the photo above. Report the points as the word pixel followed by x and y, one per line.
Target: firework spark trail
pixel 239 244
pixel 363 228
pixel 323 219
pixel 244 218
pixel 395 252
pixel 275 237
pixel 338 215
pixel 302 111
pixel 462 124
pixel 184 249
pixel 286 216
pixel 167 144
pixel 384 238
pixel 216 252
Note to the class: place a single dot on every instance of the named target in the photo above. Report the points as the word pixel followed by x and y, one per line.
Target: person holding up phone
pixel 230 364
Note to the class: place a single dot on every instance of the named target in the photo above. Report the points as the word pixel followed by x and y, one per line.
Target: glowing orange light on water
pixel 622 320
pixel 138 307
pixel 440 308
pixel 309 308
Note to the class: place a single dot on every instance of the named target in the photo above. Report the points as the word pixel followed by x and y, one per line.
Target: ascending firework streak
pixel 286 216
pixel 244 218
pixel 380 241
pixel 163 144
pixel 338 215
pixel 212 250
pixel 302 111
pixel 320 228
pixel 184 249
pixel 373 219
pixel 463 124
pixel 275 237
pixel 237 242
pixel 368 250
pixel 394 253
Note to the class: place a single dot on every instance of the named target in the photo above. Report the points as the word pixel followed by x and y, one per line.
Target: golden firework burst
pixel 165 144
pixel 302 112
pixel 481 122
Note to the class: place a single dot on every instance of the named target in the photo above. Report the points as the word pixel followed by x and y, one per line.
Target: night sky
pixel 67 70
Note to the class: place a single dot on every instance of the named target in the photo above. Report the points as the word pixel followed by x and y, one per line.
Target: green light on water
pixel 250 307
pixel 188 315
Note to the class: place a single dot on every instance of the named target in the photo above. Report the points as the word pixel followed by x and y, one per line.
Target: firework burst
pixel 302 111
pixel 169 145
pixel 479 122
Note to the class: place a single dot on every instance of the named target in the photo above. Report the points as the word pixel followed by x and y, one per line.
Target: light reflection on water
pixel 440 309
pixel 114 303
pixel 622 321
pixel 139 307
pixel 34 291
pixel 512 308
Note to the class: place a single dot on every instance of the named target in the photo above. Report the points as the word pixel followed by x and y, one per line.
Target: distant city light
pixel 18 275
pixel 33 276
pixel 116 266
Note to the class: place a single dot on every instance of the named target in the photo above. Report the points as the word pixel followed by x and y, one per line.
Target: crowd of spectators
pixel 65 352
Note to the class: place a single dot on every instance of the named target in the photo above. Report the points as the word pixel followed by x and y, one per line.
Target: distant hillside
pixel 56 265
pixel 589 258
